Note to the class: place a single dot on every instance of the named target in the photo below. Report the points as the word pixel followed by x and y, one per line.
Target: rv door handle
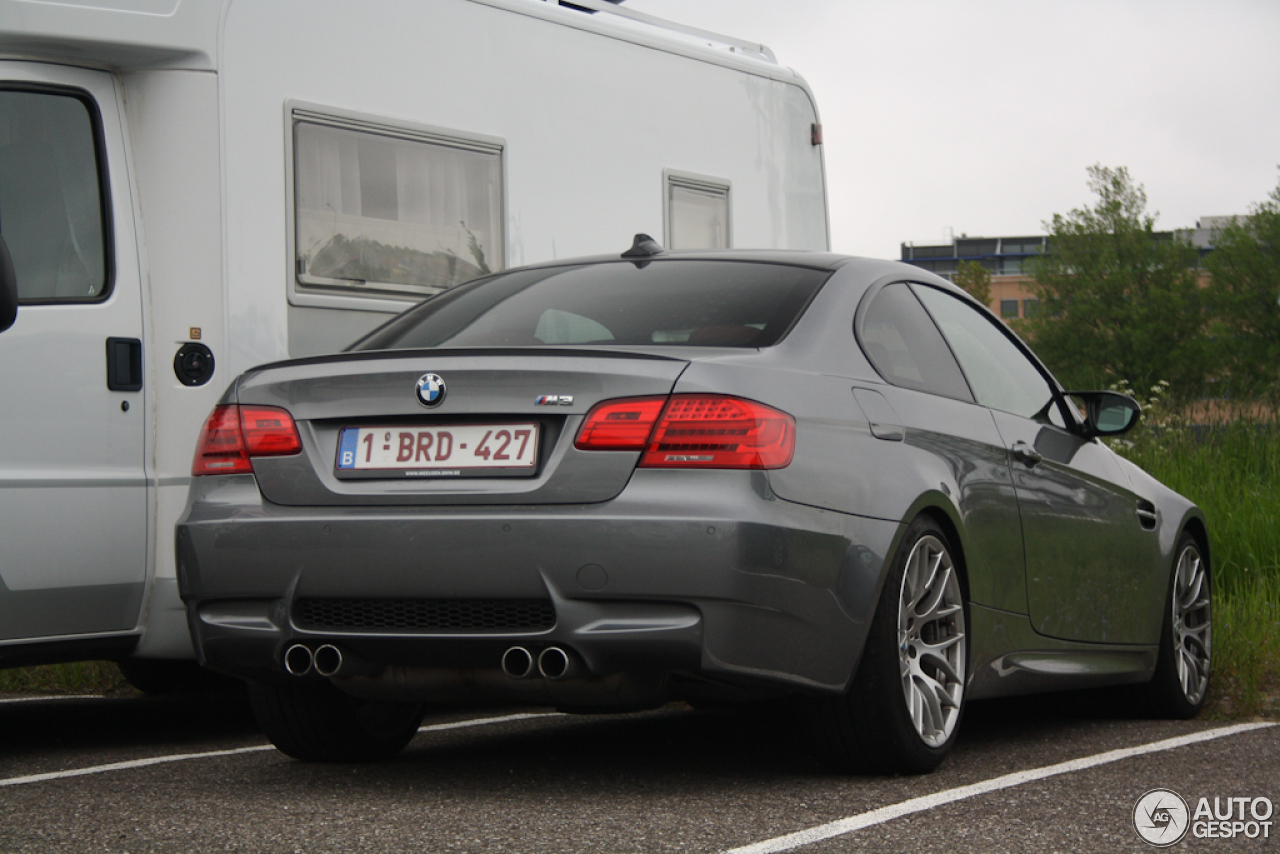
pixel 124 364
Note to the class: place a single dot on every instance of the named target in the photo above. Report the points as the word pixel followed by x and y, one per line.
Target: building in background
pixel 1003 257
pixel 1006 259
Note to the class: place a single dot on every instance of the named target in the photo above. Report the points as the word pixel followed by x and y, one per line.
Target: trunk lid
pixel 368 438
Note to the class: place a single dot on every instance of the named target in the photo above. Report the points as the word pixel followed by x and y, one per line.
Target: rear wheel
pixel 903 711
pixel 1181 680
pixel 315 722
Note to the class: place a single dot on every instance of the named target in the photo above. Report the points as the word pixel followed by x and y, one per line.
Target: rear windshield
pixel 673 303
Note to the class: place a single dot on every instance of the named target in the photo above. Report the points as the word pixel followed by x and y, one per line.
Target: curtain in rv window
pixel 392 215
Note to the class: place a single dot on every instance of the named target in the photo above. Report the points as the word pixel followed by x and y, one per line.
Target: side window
pixel 51 210
pixel 387 212
pixel 905 347
pixel 697 213
pixel 1000 374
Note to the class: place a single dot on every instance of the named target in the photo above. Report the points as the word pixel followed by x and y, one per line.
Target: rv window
pixel 51 211
pixel 697 214
pixel 389 215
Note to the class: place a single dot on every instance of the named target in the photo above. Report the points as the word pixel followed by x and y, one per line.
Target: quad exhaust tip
pixel 327 660
pixel 298 660
pixel 517 663
pixel 554 663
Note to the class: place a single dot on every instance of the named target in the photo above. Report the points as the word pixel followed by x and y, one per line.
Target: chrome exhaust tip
pixel 297 660
pixel 517 663
pixel 327 660
pixel 555 663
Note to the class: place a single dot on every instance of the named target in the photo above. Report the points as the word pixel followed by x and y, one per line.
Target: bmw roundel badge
pixel 431 389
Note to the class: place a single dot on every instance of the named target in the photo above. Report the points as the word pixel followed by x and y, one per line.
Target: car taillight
pixel 269 431
pixel 714 431
pixel 232 434
pixel 620 425
pixel 692 431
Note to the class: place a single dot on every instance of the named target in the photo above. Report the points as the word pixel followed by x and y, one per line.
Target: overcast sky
pixel 981 116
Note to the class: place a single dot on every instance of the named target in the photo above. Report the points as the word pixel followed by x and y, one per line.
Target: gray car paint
pixel 779 591
pixel 767 577
pixel 329 396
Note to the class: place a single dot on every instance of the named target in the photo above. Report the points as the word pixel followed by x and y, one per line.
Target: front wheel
pixel 1181 680
pixel 315 722
pixel 903 710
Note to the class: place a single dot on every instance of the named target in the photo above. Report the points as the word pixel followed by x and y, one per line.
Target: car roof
pixel 793 257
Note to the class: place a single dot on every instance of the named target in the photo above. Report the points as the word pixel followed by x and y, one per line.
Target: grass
pixel 81 677
pixel 1231 469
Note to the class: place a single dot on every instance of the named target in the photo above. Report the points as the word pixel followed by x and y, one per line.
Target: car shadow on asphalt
pixel 42 724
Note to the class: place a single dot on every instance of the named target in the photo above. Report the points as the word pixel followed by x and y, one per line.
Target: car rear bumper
pixel 704 573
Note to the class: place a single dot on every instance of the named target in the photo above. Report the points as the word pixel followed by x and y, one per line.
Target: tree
pixel 1117 301
pixel 1245 296
pixel 975 279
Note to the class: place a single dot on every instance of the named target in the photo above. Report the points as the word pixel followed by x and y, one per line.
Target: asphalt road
pixel 503 780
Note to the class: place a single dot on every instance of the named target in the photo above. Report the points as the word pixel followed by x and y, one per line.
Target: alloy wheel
pixel 931 641
pixel 1192 624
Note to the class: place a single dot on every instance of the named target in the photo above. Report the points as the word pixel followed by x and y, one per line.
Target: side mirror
pixel 1107 413
pixel 8 289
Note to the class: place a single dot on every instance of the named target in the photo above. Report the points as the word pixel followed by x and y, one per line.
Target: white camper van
pixel 192 187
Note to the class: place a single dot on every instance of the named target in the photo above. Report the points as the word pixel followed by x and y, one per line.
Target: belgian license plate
pixel 455 450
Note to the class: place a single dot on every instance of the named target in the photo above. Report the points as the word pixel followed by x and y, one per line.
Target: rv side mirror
pixel 8 288
pixel 1107 413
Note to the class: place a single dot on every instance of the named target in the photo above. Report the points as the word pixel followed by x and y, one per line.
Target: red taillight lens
pixel 692 431
pixel 269 431
pixel 714 431
pixel 619 425
pixel 232 434
pixel 220 449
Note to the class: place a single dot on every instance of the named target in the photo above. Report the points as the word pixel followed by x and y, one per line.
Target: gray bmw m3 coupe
pixel 607 483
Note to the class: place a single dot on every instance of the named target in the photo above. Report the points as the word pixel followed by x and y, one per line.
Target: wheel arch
pixel 938 507
pixel 1196 526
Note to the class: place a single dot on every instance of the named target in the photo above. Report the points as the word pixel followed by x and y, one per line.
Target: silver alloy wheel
pixel 931 641
pixel 1192 624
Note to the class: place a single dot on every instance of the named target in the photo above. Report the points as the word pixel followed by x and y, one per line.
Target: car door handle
pixel 1026 454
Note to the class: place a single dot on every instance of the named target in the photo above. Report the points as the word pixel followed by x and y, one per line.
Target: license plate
pixel 455 450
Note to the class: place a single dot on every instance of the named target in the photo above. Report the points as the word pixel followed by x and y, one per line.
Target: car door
pixel 73 491
pixel 1083 537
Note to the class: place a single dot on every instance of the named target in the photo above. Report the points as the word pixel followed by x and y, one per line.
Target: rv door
pixel 73 491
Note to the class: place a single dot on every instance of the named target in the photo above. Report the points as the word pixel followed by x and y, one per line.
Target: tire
pixel 315 722
pixel 886 723
pixel 1181 680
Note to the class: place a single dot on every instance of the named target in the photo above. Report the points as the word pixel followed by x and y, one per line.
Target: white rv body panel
pixel 585 120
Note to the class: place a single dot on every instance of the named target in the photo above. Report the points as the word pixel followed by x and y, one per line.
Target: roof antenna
pixel 643 247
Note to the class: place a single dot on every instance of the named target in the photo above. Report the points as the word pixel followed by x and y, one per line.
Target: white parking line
pixel 259 748
pixel 46 698
pixel 483 721
pixel 880 816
